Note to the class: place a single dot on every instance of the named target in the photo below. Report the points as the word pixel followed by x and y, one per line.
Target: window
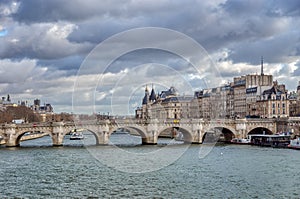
pixel 283 105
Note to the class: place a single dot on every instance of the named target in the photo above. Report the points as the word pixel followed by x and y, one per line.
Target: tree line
pixel 26 114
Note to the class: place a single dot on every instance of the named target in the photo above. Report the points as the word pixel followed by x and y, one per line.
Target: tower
pixel 152 95
pixel 262 66
pixel 146 97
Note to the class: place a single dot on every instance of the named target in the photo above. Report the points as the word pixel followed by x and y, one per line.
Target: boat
pixel 240 141
pixel 179 136
pixel 76 136
pixel 294 144
pixel 120 131
pixel 276 141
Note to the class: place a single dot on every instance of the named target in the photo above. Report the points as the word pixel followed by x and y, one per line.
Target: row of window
pixel 273 105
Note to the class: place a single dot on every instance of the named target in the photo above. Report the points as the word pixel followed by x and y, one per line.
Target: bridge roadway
pixel 193 130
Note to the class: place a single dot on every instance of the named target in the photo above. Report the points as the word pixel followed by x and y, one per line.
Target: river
pixel 38 170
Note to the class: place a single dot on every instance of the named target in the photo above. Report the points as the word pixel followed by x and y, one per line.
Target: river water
pixel 38 170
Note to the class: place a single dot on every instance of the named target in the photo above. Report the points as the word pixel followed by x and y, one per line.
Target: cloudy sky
pixel 54 50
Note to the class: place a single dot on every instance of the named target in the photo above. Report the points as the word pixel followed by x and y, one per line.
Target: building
pixel 274 103
pixel 37 108
pixel 6 101
pixel 214 103
pixel 247 90
pixel 294 102
pixel 248 96
pixel 166 105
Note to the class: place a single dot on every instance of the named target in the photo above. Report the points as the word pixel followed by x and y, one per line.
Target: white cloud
pixel 16 71
pixel 41 41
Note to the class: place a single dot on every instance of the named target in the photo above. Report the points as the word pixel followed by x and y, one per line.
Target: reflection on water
pixel 38 170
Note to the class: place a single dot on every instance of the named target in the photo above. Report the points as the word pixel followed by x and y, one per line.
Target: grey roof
pixel 179 99
pixel 273 90
pixel 146 97
pixel 172 91
pixel 152 95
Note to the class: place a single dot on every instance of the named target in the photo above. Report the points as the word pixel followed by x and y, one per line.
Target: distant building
pixel 294 101
pixel 6 101
pixel 37 108
pixel 166 105
pixel 248 96
pixel 274 103
pixel 247 90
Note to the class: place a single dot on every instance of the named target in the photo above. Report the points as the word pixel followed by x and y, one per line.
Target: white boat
pixel 76 136
pixel 294 144
pixel 240 141
pixel 179 136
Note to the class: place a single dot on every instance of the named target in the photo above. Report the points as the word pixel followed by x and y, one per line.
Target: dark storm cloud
pixel 276 49
pixel 147 56
pixel 280 8
pixel 36 11
pixel 95 30
pixel 54 37
pixel 70 64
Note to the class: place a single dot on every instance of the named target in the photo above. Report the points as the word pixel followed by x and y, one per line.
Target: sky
pixel 98 56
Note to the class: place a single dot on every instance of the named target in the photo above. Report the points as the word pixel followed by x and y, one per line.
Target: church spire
pixel 146 97
pixel 262 66
pixel 152 95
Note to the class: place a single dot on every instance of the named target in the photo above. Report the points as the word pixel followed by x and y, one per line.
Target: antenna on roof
pixel 262 66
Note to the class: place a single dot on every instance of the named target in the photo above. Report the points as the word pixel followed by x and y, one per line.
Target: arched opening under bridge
pixel 260 131
pixel 218 134
pixel 80 137
pixel 34 139
pixel 126 136
pixel 174 135
pixel 226 135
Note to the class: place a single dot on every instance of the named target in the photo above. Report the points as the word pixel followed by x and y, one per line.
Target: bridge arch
pixel 228 133
pixel 260 130
pixel 181 133
pixel 23 132
pixel 218 133
pixel 139 130
pixel 84 129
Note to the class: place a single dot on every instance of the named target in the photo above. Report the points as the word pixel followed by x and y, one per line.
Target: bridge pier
pixel 197 139
pixel 11 136
pixel 57 139
pixel 57 133
pixel 150 140
pixel 103 138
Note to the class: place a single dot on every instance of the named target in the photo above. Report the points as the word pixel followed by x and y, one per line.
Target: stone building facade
pixel 249 96
pixel 166 105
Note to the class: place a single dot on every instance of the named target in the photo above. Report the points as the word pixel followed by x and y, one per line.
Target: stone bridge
pixel 193 130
